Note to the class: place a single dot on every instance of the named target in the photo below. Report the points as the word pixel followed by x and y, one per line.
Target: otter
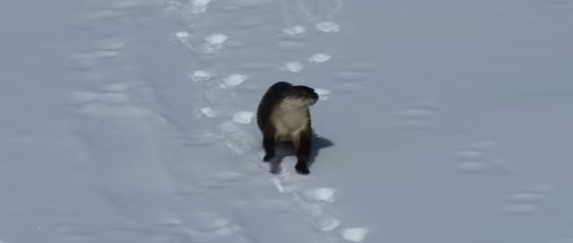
pixel 283 115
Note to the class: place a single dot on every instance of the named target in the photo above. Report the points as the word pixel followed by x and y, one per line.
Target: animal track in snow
pixel 309 202
pixel 286 184
pixel 184 38
pixel 326 223
pixel 201 76
pixel 319 57
pixel 294 30
pixel 294 67
pixel 327 27
pixel 243 117
pixel 216 39
pixel 233 80
pixel 419 116
pixel 199 6
pixel 354 234
pixel 527 201
pixel 321 194
pixel 214 42
pixel 479 158
pixel 208 112
pixel 90 59
pixel 416 117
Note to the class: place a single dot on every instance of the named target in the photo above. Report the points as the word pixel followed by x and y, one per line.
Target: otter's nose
pixel 314 100
pixel 315 96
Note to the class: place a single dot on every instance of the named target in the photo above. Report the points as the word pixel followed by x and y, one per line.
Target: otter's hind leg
pixel 302 145
pixel 269 144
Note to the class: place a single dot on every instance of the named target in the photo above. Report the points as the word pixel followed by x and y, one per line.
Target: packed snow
pixel 134 121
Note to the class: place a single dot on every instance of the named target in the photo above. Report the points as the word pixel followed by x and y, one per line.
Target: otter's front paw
pixel 302 168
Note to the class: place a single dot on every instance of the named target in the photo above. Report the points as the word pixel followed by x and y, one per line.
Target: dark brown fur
pixel 283 116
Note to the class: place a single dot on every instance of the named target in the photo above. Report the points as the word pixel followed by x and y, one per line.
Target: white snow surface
pixel 354 234
pixel 131 121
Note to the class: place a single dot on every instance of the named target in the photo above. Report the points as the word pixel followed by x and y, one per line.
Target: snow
pixel 438 121
pixel 234 80
pixel 214 42
pixel 319 57
pixel 322 194
pixel 183 36
pixel 201 76
pixel 294 30
pixel 208 111
pixel 327 26
pixel 243 117
pixel 354 234
pixel 294 67
pixel 322 93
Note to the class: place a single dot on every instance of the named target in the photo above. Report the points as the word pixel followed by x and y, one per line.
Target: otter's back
pixel 271 98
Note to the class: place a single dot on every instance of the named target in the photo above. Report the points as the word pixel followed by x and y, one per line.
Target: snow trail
pixel 231 94
pixel 161 169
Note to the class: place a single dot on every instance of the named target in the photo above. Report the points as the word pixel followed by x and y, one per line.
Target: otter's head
pixel 306 94
pixel 299 97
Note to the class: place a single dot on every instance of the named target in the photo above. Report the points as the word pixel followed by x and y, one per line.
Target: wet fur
pixel 283 116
